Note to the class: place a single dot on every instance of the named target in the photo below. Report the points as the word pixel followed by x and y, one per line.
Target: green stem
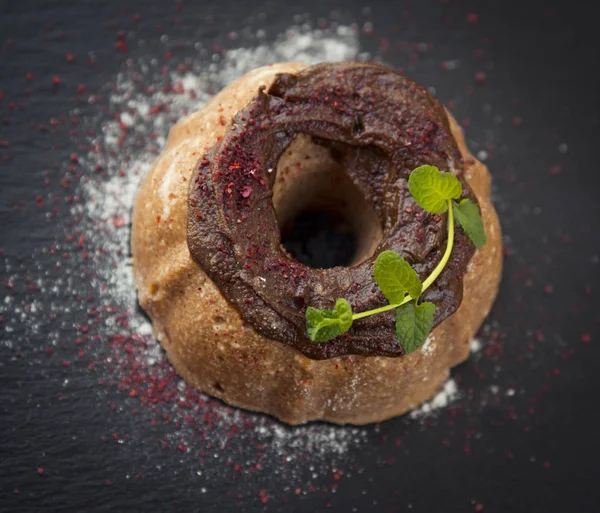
pixel 380 309
pixel 430 279
pixel 442 263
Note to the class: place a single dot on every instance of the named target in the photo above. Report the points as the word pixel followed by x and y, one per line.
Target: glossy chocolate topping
pixel 379 126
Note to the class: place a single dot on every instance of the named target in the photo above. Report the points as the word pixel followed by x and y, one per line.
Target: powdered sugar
pixel 127 143
pixel 443 398
pixel 429 346
pixel 449 392
pixel 476 345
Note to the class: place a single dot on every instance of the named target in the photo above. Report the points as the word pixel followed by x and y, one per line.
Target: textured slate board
pixel 537 107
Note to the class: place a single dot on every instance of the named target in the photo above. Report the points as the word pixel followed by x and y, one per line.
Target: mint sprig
pixel 413 324
pixel 323 325
pixel 434 191
pixel 468 216
pixel 396 277
pixel 432 188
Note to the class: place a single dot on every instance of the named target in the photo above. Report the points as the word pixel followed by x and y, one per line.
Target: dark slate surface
pixel 536 108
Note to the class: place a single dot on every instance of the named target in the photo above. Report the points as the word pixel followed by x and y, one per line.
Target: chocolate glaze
pixel 380 126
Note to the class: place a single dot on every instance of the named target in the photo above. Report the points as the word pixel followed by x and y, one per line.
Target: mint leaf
pixel 324 325
pixel 468 216
pixel 432 188
pixel 396 277
pixel 413 325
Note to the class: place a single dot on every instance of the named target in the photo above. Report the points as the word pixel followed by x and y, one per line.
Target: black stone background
pixel 541 63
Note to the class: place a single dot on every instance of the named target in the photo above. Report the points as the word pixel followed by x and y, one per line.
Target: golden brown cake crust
pixel 214 351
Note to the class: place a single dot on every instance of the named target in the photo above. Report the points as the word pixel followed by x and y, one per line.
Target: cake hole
pixel 324 219
pixel 217 386
pixel 320 239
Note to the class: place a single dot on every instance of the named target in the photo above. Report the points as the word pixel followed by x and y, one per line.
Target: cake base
pixel 215 351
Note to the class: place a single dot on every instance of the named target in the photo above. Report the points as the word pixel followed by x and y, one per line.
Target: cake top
pixel 379 126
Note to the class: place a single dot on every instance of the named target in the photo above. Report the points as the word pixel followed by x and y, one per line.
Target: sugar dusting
pixel 125 146
pixel 448 394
